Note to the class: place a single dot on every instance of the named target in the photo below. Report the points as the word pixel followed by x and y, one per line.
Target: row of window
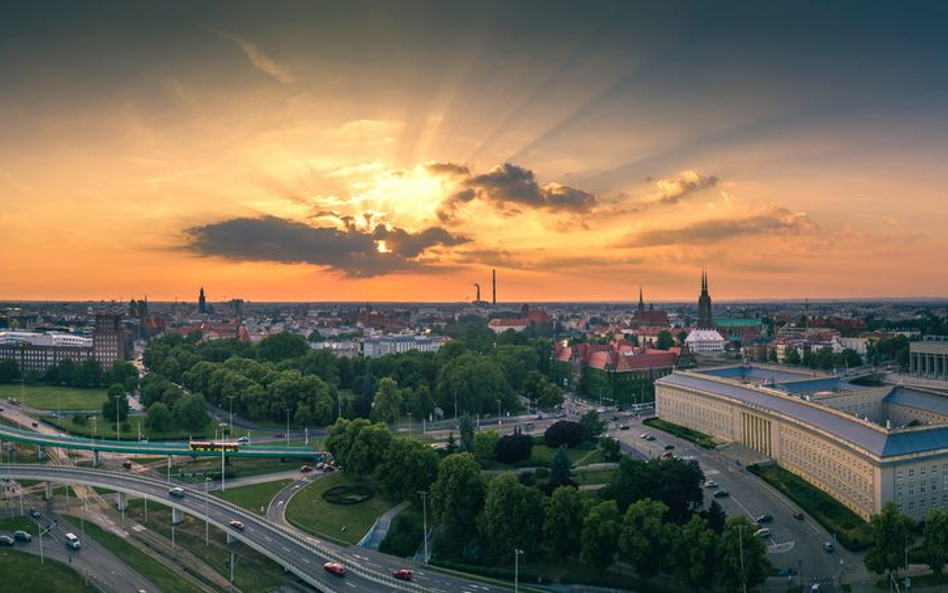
pixel 922 470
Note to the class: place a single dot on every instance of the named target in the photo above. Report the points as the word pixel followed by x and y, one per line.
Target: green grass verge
pixel 140 561
pixel 11 524
pixel 238 467
pixel 45 397
pixel 851 531
pixel 255 496
pixel 698 438
pixel 23 572
pixel 253 573
pixel 339 522
pixel 599 476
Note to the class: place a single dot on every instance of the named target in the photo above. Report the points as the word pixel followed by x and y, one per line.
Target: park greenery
pixel 896 539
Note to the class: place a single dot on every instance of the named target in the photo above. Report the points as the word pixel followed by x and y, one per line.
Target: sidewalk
pixel 373 539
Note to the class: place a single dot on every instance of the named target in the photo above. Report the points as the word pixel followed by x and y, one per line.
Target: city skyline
pixel 382 153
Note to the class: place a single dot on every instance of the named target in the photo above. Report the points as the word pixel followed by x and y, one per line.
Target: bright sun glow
pixel 382 247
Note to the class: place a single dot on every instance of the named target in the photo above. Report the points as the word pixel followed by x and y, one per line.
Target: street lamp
pixel 206 520
pixel 424 513
pixel 517 552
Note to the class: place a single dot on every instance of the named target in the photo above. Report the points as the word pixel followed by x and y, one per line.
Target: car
pixel 35 513
pixel 335 569
pixel 278 435
pixel 35 424
pixel 624 427
pixel 235 524
pixel 243 440
pixel 177 492
pixel 799 516
pixel 765 519
pixel 710 484
pixel 306 469
pixel 669 447
pixel 721 494
pixel 6 540
pixel 329 468
pixel 320 465
pixel 127 464
pixel 23 536
pixel 402 574
pixel 72 541
pixel 644 435
pixel 667 455
pixel 815 588
pixel 762 532
pixel 650 438
pixel 828 546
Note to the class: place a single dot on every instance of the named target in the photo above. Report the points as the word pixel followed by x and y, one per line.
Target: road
pixel 301 554
pixel 793 543
pixel 93 561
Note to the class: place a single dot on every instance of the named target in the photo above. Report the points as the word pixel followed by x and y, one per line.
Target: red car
pixel 237 525
pixel 403 574
pixel 335 569
pixel 668 455
pixel 306 469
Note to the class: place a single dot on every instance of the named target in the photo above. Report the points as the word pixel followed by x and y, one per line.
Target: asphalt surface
pixel 299 553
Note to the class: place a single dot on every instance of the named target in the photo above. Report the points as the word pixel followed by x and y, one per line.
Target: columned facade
pixel 929 359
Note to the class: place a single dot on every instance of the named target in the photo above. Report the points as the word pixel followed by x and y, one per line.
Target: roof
pixel 704 335
pixel 738 322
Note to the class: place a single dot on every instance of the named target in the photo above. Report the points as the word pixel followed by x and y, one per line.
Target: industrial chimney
pixel 494 276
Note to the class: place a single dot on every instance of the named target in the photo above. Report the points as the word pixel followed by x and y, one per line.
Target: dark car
pixel 798 515
pixel 828 546
pixel 403 574
pixel 721 494
pixel 669 447
pixel 238 525
pixel 278 435
pixel 624 427
pixel 35 513
pixel 765 519
pixel 127 464
pixel 35 424
pixel 335 569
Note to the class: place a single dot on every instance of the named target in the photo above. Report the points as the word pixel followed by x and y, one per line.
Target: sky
pixel 400 151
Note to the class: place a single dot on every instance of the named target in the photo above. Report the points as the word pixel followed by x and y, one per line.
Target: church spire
pixel 641 300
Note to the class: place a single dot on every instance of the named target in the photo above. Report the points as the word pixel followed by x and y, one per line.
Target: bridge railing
pixel 308 543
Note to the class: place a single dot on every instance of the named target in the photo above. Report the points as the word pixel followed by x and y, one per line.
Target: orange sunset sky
pixel 400 151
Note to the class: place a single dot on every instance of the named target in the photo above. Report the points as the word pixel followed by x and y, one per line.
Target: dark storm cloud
pixel 777 222
pixel 351 252
pixel 510 188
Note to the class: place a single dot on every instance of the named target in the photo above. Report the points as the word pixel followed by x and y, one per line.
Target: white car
pixel 710 484
pixel 762 532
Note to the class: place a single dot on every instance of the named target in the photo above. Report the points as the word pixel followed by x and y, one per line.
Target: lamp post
pixel 517 552
pixel 206 520
pixel 424 514
pixel 223 476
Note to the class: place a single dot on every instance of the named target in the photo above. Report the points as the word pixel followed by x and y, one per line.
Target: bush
pixel 513 448
pixel 563 432
pixel 405 535
pixel 80 419
pixel 348 494
pixel 527 478
pixel 542 473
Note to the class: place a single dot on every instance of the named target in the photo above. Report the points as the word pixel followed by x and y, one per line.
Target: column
pixel 122 501
pixel 48 494
pixel 230 538
pixel 176 516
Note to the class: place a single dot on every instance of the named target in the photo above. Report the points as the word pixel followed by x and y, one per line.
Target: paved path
pixel 373 539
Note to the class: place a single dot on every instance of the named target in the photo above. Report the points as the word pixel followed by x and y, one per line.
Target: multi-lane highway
pixel 298 553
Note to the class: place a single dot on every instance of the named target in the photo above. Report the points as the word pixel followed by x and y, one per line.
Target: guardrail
pixel 306 542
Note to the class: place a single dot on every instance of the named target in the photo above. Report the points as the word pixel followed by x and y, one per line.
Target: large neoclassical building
pixel 863 445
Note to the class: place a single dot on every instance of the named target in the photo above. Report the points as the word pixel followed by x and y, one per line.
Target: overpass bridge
pixel 295 552
pixel 156 448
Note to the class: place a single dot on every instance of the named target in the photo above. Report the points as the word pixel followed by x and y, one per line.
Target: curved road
pixel 298 553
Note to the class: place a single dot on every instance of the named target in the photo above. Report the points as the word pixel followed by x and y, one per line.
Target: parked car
pixel 721 494
pixel 35 513
pixel 828 546
pixel 177 492
pixel 765 519
pixel 710 484
pixel 335 569
pixel 403 574
pixel 278 435
pixel 23 536
pixel 669 447
pixel 667 455
pixel 762 532
pixel 6 540
pixel 644 435
pixel 306 469
pixel 623 427
pixel 238 525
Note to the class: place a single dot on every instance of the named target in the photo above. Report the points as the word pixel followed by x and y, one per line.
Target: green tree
pixel 281 346
pixel 369 447
pixel 190 412
pixel 891 533
pixel 9 370
pixel 610 448
pixel 646 541
pixel 715 516
pixel 792 356
pixel 742 557
pixel 512 517
pixel 108 407
pixel 936 540
pixel 591 425
pixel 408 468
pixel 563 523
pixel 457 494
pixel 466 430
pixel 387 404
pixel 599 538
pixel 158 418
pixel 420 402
pixel 665 340
pixel 550 396
pixel 485 447
pixel 694 555
pixel 561 470
pixel 772 355
pixel 473 380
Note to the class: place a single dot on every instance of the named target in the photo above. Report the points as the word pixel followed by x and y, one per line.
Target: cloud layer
pixel 777 221
pixel 350 252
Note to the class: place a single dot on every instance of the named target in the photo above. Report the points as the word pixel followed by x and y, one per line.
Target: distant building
pixel 617 373
pixel 929 358
pixel 536 320
pixel 643 317
pixel 705 318
pixel 202 302
pixel 108 339
pixel 38 352
pixel 707 342
pixel 383 345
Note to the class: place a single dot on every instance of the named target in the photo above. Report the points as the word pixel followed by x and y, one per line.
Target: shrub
pixel 527 478
pixel 563 432
pixel 405 535
pixel 348 494
pixel 513 448
pixel 542 473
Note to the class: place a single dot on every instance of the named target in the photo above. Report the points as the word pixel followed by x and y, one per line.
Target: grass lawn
pixel 255 496
pixel 851 531
pixel 45 397
pixel 23 572
pixel 542 456
pixel 142 562
pixel 237 467
pixel 253 572
pixel 342 523
pixel 698 438
pixel 105 429
pixel 599 476
pixel 11 524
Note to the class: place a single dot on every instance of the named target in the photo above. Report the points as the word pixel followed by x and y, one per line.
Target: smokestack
pixel 494 275
pixel 478 287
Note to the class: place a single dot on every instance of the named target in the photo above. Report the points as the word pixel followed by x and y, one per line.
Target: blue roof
pixel 741 372
pixel 865 437
pixel 818 384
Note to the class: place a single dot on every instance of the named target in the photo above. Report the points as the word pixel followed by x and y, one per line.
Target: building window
pixel 898 475
pixel 911 472
pixel 898 492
